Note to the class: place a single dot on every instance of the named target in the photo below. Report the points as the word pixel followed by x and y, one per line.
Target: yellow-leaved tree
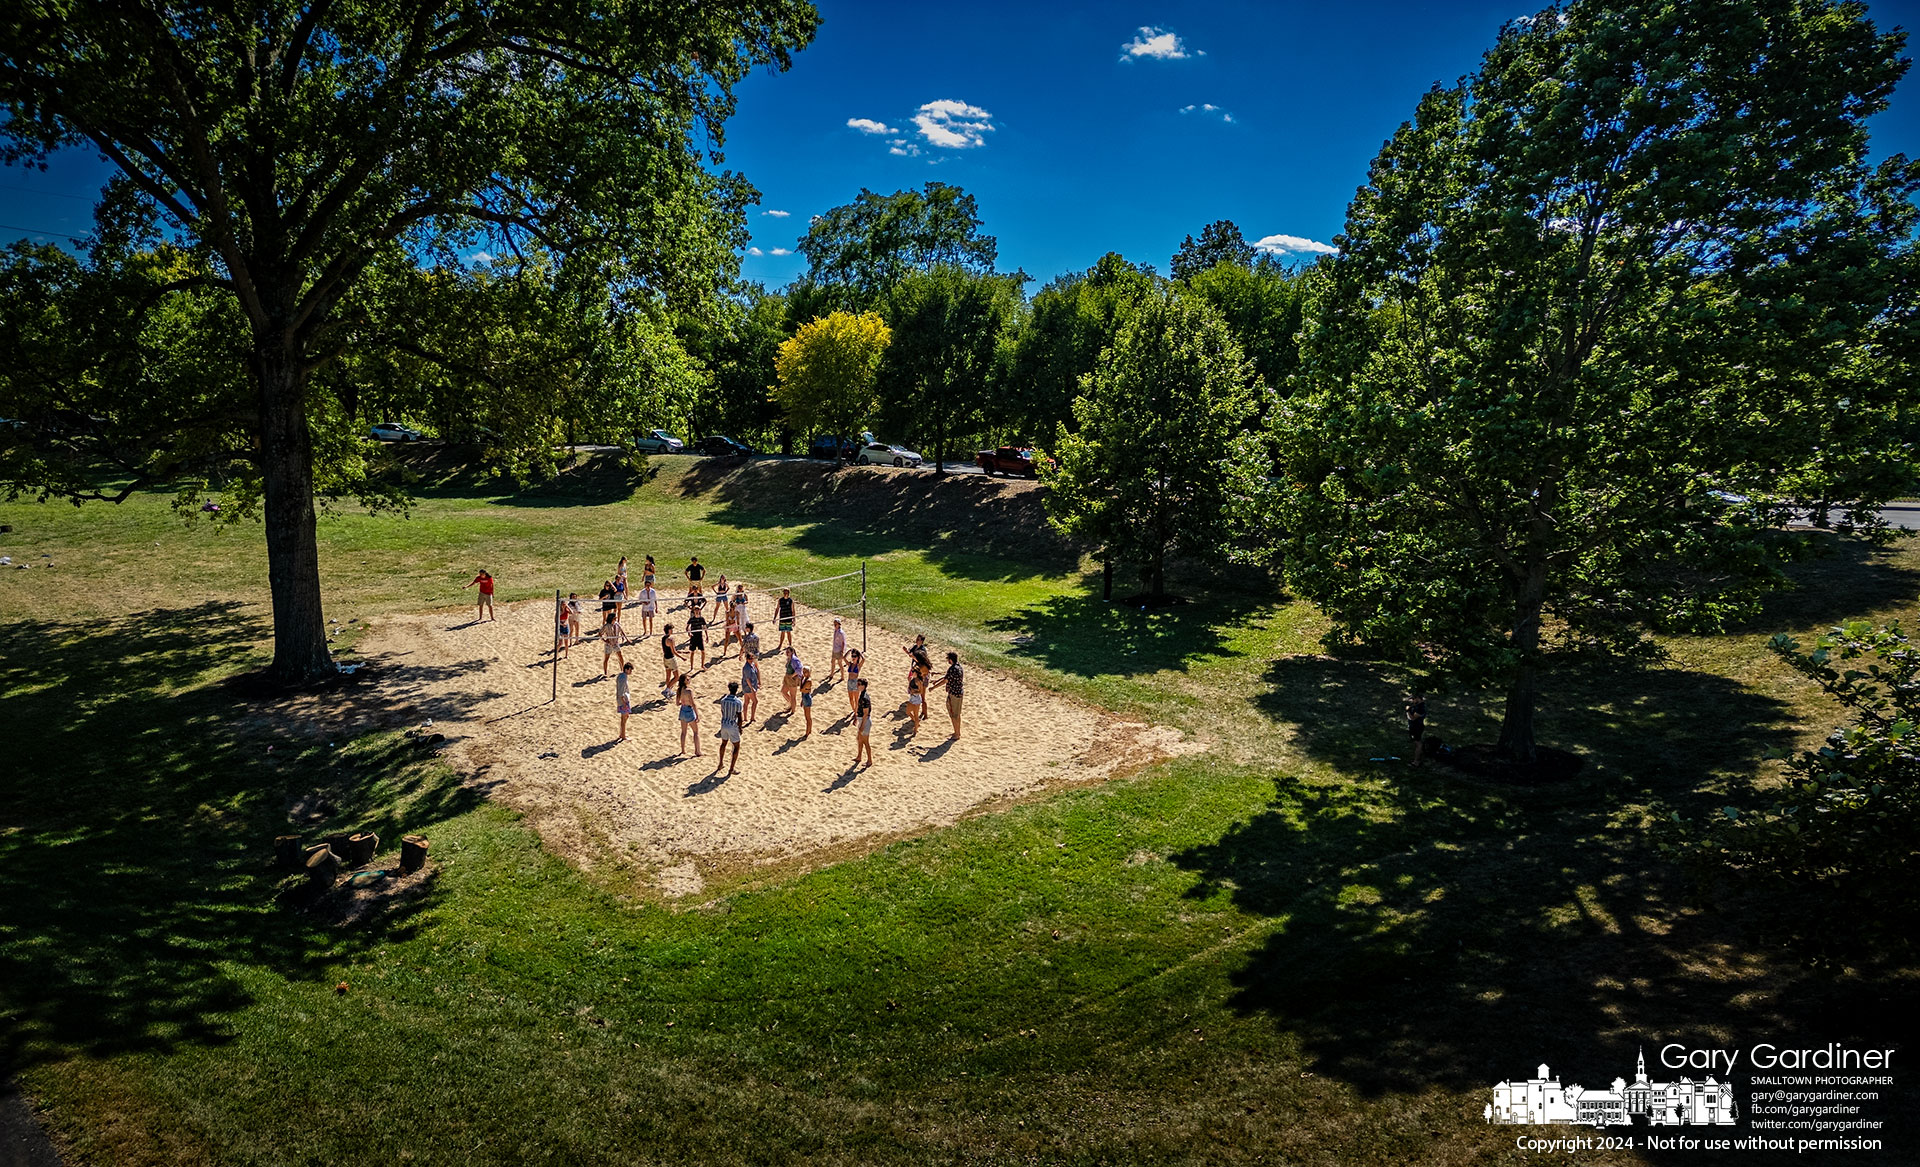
pixel 826 372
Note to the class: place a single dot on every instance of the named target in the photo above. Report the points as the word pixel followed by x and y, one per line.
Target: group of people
pixel 724 616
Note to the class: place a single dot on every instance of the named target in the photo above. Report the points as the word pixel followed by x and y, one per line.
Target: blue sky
pixel 1080 128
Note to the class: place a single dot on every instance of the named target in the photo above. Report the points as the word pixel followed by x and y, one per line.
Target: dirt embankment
pixel 967 512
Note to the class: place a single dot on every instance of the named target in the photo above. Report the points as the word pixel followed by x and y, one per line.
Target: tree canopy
pixel 1161 439
pixel 1562 376
pixel 857 252
pixel 951 334
pixel 827 372
pixel 1220 242
pixel 292 149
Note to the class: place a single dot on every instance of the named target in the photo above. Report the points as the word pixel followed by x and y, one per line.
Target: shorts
pixel 730 733
pixel 866 726
pixel 687 713
pixel 806 700
pixel 839 656
pixel 786 626
pixel 696 642
pixel 1416 732
pixel 913 698
pixel 953 706
pixel 609 647
pixel 626 707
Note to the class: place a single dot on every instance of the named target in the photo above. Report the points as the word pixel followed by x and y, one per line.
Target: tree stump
pixel 286 852
pixel 413 853
pixel 360 849
pixel 323 868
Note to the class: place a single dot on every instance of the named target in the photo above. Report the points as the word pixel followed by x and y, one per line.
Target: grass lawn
pixel 1273 952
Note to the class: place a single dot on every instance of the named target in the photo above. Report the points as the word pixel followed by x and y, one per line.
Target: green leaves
pixel 1160 437
pixel 1584 346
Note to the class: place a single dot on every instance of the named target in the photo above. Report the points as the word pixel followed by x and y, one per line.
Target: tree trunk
pixel 1516 728
pixel 293 552
pixel 940 443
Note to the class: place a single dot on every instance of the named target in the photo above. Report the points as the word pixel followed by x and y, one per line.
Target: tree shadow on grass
pixel 137 814
pixel 1084 636
pixel 1845 578
pixel 968 526
pixel 1431 929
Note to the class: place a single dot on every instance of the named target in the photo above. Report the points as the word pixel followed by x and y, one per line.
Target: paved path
pixel 22 1142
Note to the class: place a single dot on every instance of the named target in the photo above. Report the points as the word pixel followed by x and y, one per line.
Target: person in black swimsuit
pixel 697 637
pixel 1417 723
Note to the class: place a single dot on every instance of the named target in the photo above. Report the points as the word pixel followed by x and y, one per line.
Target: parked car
pixel 883 454
pixel 393 431
pixel 722 446
pixel 1012 460
pixel 832 448
pixel 658 442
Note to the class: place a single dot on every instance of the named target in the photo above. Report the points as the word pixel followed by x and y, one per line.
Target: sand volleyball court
pixel 640 804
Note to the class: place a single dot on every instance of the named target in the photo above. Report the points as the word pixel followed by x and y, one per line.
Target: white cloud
pixel 781 251
pixel 903 148
pixel 1207 107
pixel 777 214
pixel 1157 44
pixel 1292 245
pixel 869 126
pixel 755 251
pixel 954 125
pixel 480 258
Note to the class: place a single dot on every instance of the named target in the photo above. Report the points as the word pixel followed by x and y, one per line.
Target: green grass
pixel 1273 952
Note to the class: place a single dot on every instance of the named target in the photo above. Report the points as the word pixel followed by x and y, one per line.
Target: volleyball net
pixel 843 595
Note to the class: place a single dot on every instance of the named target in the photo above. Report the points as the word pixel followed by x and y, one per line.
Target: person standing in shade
pixel 749 688
pixel 955 682
pixel 862 725
pixel 839 659
pixel 623 696
pixel 484 582
pixel 689 716
pixel 730 707
pixel 611 637
pixel 697 638
pixel 1417 724
pixel 783 616
pixel 649 608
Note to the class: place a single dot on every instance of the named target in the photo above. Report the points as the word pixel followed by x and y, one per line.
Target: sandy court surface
pixel 670 817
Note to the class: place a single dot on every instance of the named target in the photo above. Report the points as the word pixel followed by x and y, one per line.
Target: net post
pixel 863 607
pixel 556 646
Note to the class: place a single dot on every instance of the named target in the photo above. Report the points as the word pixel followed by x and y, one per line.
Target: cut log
pixel 413 853
pixel 360 849
pixel 323 868
pixel 286 852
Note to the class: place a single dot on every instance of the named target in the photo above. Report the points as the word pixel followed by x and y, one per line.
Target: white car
pixel 882 454
pixel 658 442
pixel 393 431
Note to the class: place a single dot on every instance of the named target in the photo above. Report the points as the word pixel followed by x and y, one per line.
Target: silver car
pixel 658 442
pixel 884 454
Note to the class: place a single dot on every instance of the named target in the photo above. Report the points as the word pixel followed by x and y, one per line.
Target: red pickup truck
pixel 1013 460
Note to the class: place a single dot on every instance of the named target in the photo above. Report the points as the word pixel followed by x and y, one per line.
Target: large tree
pixel 1565 374
pixel 948 353
pixel 1161 438
pixel 827 372
pixel 1220 242
pixel 294 146
pixel 857 252
pixel 1066 325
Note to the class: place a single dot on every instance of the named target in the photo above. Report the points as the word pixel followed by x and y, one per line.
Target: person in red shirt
pixel 486 596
